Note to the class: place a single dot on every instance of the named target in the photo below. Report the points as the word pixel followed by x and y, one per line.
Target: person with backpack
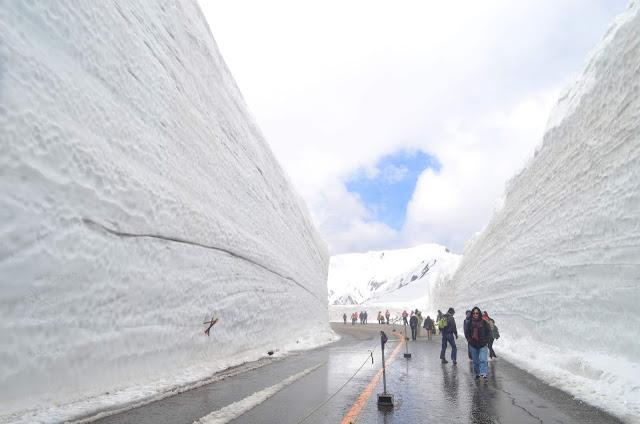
pixel 413 323
pixel 477 332
pixel 405 314
pixel 447 326
pixel 387 315
pixel 365 315
pixel 344 318
pixel 464 325
pixel 428 325
pixel 438 318
pixel 495 334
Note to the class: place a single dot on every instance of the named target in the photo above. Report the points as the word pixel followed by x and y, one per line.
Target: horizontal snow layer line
pixel 234 410
pixel 94 224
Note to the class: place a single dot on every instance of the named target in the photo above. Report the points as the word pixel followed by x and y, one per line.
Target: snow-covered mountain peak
pixel 389 276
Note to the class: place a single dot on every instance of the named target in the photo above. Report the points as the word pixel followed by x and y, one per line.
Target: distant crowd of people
pixel 480 331
pixel 363 315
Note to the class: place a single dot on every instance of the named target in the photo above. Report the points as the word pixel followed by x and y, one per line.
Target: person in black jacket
pixel 464 326
pixel 428 325
pixel 413 323
pixel 477 332
pixel 448 333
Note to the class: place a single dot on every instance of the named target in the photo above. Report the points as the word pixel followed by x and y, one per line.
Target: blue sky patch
pixel 387 189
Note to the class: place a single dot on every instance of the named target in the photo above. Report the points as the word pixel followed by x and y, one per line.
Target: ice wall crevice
pixel 125 234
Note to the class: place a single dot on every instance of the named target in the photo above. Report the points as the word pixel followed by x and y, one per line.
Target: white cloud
pixel 477 158
pixel 346 223
pixel 337 85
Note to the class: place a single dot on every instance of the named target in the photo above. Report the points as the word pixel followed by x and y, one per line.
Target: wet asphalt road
pixel 425 390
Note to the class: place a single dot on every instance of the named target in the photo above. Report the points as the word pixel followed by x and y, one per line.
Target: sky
pixel 400 123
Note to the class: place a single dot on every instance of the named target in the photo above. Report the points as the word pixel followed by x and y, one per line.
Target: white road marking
pixel 234 410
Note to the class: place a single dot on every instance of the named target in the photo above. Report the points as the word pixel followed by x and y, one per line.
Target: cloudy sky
pixel 400 122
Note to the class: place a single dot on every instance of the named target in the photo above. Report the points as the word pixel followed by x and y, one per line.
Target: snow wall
pixel 558 267
pixel 137 199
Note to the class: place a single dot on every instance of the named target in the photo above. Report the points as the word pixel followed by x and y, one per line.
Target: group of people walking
pixel 480 330
pixel 383 318
pixel 363 315
pixel 416 322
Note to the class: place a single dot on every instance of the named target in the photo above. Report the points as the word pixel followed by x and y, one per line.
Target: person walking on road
pixel 438 318
pixel 477 332
pixel 428 326
pixel 344 318
pixel 405 314
pixel 419 315
pixel 387 315
pixel 464 325
pixel 494 332
pixel 413 323
pixel 448 333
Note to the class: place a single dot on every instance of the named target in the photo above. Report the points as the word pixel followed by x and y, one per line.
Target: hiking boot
pixel 455 363
pixel 484 376
pixel 477 376
pixel 444 361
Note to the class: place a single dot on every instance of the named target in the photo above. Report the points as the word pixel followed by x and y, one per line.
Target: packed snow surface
pixel 138 199
pixel 390 279
pixel 558 267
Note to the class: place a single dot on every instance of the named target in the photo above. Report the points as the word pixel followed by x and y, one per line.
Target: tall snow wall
pixel 558 267
pixel 138 198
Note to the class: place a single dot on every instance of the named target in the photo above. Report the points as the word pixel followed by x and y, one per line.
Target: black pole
pixel 385 400
pixel 383 340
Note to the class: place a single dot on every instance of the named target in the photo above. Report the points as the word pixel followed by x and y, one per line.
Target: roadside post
pixel 385 400
pixel 407 355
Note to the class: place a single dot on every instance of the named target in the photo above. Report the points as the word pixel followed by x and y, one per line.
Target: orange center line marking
pixel 356 408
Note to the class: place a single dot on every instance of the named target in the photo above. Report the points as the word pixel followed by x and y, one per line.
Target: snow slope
pixel 559 265
pixel 391 279
pixel 137 198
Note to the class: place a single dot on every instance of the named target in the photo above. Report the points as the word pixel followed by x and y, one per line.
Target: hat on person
pixel 451 311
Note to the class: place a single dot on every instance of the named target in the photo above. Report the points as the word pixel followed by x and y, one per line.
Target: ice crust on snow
pixel 558 266
pixel 390 279
pixel 137 199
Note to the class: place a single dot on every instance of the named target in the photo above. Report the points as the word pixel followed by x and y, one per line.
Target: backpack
pixel 442 323
pixel 496 333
